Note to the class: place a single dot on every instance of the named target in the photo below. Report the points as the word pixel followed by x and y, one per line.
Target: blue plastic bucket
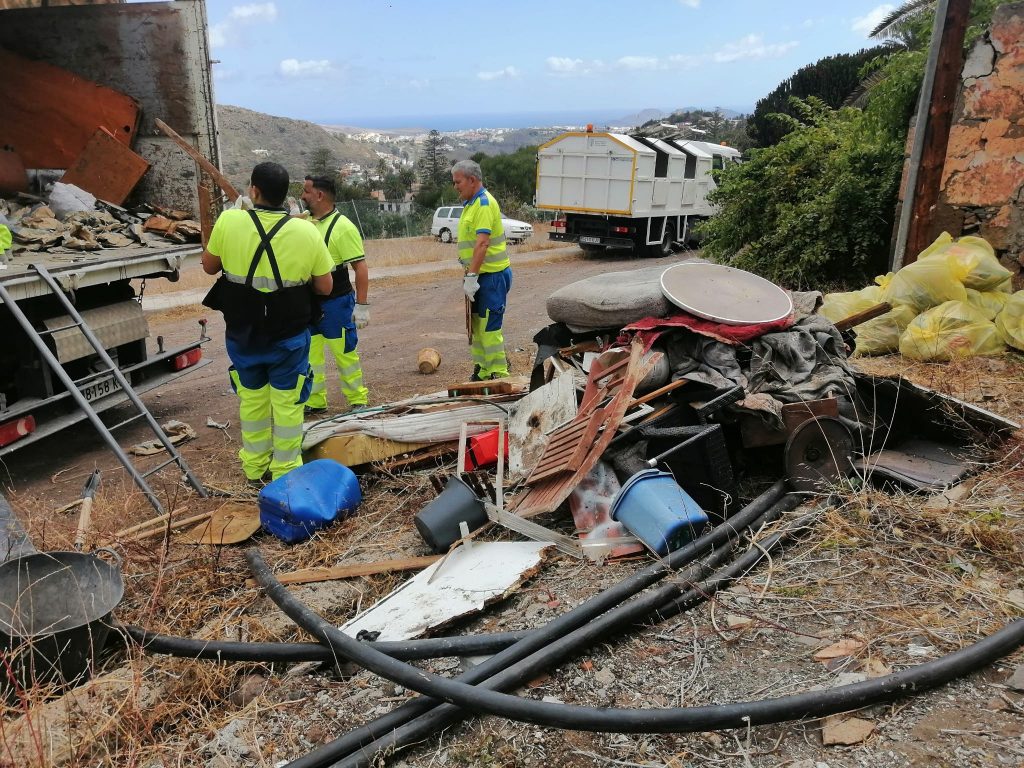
pixel 657 511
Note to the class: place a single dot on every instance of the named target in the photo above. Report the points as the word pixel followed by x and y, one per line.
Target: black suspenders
pixel 265 238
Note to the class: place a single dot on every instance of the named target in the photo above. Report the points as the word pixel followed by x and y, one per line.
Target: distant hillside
pixel 283 140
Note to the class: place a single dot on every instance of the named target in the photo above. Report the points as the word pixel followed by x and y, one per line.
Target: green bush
pixel 815 209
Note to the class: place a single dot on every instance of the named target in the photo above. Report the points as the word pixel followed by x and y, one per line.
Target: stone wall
pixel 982 188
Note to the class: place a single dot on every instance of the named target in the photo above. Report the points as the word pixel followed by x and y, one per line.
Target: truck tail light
pixel 186 359
pixel 558 225
pixel 17 429
pixel 620 230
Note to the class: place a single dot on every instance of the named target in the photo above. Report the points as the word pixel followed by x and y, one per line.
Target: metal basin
pixel 55 610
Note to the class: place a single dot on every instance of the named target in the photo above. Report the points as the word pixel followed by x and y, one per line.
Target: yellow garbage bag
pixel 974 263
pixel 991 303
pixel 950 331
pixel 1010 322
pixel 839 306
pixel 882 281
pixel 881 335
pixel 926 283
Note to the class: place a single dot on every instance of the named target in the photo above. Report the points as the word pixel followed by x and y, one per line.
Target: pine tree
pixel 433 165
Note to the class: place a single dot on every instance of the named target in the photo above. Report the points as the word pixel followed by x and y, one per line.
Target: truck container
pixel 627 191
pixel 157 54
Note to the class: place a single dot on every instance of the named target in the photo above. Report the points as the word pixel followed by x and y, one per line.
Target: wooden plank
pixel 205 194
pixel 50 114
pixel 106 168
pixel 206 165
pixel 311 575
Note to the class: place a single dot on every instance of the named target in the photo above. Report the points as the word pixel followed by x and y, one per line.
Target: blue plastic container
pixel 657 511
pixel 307 499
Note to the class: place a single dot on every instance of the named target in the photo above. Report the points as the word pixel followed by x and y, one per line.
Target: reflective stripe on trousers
pixel 488 348
pixel 350 372
pixel 271 421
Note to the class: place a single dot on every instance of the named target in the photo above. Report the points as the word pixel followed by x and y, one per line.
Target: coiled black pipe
pixel 626 720
pixel 561 625
pixel 572 644
pixel 272 653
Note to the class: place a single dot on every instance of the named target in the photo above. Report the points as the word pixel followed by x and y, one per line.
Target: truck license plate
pixel 590 240
pixel 100 388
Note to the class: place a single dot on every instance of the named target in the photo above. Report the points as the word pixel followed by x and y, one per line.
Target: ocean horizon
pixel 469 121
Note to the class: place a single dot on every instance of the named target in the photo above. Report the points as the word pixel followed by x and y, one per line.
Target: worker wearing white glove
pixel 361 315
pixel 487 270
pixel 243 203
pixel 345 310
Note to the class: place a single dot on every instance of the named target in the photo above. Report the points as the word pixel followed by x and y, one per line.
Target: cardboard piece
pixel 106 168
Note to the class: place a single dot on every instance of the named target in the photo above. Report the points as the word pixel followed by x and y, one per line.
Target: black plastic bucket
pixel 438 522
pixel 55 612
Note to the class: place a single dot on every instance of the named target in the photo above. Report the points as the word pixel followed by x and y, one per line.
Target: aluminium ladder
pixel 73 387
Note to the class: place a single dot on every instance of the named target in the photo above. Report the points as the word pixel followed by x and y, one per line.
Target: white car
pixel 445 226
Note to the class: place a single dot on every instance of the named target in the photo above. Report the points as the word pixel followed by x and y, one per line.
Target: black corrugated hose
pixel 665 601
pixel 577 617
pixel 281 653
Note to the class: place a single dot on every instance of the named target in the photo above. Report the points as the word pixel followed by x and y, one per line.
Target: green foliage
pixel 514 176
pixel 433 166
pixel 815 208
pixel 322 162
pixel 831 80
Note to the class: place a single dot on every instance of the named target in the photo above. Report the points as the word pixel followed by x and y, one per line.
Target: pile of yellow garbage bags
pixel 955 301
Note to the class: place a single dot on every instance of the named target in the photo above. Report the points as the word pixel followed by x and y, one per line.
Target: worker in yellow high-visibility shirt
pixel 487 270
pixel 271 265
pixel 345 310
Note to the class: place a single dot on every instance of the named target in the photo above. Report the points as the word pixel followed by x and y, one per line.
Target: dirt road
pixel 424 309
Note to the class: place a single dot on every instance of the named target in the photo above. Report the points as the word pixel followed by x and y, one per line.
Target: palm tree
pixel 898 26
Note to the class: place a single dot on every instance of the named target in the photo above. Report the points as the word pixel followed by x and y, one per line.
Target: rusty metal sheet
pixel 921 464
pixel 106 168
pixel 50 114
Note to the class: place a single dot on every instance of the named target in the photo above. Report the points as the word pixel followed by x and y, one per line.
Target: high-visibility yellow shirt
pixel 5 238
pixel 298 249
pixel 346 245
pixel 482 215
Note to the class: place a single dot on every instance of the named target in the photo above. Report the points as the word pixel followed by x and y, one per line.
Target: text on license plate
pixel 590 240
pixel 100 388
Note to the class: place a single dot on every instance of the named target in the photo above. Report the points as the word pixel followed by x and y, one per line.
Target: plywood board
pixel 355 449
pixel 532 418
pixel 469 579
pixel 106 168
pixel 50 114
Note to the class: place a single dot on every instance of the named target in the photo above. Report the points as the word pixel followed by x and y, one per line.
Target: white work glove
pixel 243 203
pixel 361 315
pixel 470 285
pixel 293 206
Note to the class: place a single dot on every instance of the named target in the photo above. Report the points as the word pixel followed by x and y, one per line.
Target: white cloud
pixel 218 35
pixel 565 65
pixel 864 24
pixel 499 74
pixel 690 3
pixel 310 68
pixel 638 62
pixel 751 47
pixel 257 12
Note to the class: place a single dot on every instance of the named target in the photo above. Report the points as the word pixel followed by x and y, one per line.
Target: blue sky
pixel 412 62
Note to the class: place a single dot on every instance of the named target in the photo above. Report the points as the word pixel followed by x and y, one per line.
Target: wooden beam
pixel 206 165
pixel 862 317
pixel 310 575
pixel 936 127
